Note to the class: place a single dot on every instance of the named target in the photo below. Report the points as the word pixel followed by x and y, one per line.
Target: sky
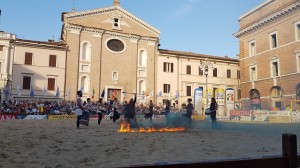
pixel 199 26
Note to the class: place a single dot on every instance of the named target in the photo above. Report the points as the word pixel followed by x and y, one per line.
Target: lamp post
pixel 205 65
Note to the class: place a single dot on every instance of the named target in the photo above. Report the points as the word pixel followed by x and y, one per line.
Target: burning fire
pixel 125 127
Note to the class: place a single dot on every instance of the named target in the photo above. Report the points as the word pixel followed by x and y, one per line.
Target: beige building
pixel 6 50
pixel 38 66
pixel 110 51
pixel 181 73
pixel 270 55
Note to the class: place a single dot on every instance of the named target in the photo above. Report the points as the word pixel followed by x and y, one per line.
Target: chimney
pixel 116 2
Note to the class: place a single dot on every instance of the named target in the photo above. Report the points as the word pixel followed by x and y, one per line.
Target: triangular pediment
pixel 103 18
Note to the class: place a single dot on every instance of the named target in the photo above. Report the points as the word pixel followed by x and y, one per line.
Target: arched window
pixel 85 84
pixel 143 58
pixel 115 75
pixel 276 97
pixel 142 86
pixel 85 51
pixel 255 103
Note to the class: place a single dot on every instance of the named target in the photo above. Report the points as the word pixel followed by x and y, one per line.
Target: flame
pixel 125 127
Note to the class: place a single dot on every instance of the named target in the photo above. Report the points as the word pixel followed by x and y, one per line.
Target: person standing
pixel 189 112
pixel 168 112
pixel 101 110
pixel 149 111
pixel 115 108
pixel 130 111
pixel 213 112
pixel 79 108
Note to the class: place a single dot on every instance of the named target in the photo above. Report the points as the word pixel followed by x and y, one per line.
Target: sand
pixel 58 143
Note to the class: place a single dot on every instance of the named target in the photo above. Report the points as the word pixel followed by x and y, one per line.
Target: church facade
pixel 111 53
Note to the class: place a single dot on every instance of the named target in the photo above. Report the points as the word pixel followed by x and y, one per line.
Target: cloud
pixel 189 5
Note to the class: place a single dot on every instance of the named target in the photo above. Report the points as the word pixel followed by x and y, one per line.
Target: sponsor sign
pixel 8 117
pixel 198 97
pixel 62 117
pixel 36 117
pixel 198 117
pixel 229 93
pixel 279 119
pixel 240 112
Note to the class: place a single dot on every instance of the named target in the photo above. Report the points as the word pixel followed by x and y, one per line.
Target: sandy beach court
pixel 59 144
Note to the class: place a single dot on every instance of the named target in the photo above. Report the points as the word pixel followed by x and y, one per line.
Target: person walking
pixel 149 111
pixel 115 109
pixel 101 110
pixel 79 108
pixel 213 112
pixel 168 112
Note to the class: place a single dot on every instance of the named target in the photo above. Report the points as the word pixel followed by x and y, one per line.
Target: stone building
pixel 180 74
pixel 269 38
pixel 6 50
pixel 38 70
pixel 110 51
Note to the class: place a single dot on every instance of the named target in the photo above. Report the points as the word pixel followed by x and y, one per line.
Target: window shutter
pixel 26 82
pixel 171 67
pixel 52 61
pixel 28 58
pixel 51 83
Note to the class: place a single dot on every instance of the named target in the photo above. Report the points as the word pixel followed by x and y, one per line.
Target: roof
pixel 195 55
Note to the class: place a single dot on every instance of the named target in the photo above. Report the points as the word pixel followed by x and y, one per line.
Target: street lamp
pixel 205 65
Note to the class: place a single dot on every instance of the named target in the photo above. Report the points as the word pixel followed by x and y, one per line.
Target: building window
pixel 298 62
pixel 142 87
pixel 239 94
pixel 167 88
pixel 238 74
pixel 168 67
pixel 26 82
pixel 1 47
pixel 252 48
pixel 116 23
pixel 52 61
pixel 274 67
pixel 85 68
pixel 200 71
pixel 0 67
pixel 253 73
pixel 215 72
pixel 85 51
pixel 188 70
pixel 188 90
pixel 228 73
pixel 215 92
pixel 273 40
pixel 143 58
pixel 84 84
pixel 28 58
pixel 297 28
pixel 51 84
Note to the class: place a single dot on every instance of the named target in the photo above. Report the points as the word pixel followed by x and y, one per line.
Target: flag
pixel 57 92
pixel 159 94
pixel 93 93
pixel 6 90
pixel 44 91
pixel 114 93
pixel 143 96
pixel 69 93
pixel 19 91
pixel 81 89
pixel 31 91
pixel 103 93
pixel 151 94
pixel 177 95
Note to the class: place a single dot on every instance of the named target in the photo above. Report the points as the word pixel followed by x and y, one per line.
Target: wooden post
pixel 289 149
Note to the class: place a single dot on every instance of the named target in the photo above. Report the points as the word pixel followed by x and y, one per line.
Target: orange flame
pixel 125 127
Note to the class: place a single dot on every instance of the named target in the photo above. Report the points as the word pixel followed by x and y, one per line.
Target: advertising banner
pixel 8 117
pixel 62 117
pixel 36 117
pixel 198 104
pixel 220 98
pixel 229 100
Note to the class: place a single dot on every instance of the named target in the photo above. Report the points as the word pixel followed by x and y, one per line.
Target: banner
pixel 229 100
pixel 8 117
pixel 220 98
pixel 36 117
pixel 198 104
pixel 62 117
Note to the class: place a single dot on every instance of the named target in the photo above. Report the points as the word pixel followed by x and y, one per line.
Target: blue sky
pixel 200 26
